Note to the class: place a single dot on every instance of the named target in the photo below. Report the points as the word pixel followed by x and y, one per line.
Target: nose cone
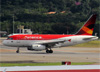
pixel 5 42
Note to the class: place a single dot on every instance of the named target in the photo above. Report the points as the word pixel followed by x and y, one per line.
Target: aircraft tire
pixel 17 51
pixel 47 51
pixel 50 51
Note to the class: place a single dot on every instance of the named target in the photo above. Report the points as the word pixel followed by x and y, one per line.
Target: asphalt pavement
pixel 73 54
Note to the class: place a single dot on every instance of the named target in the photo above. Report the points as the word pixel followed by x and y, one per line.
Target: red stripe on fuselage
pixel 38 37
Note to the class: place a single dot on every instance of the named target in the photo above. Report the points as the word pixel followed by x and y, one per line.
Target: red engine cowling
pixel 37 47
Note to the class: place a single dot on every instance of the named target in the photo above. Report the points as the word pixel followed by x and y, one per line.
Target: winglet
pixel 88 27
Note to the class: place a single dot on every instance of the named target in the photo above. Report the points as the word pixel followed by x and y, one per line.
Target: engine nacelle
pixel 36 47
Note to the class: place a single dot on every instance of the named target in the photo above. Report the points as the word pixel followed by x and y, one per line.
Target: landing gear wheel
pixel 50 51
pixel 47 51
pixel 17 50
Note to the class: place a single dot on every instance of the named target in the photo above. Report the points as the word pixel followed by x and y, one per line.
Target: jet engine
pixel 36 47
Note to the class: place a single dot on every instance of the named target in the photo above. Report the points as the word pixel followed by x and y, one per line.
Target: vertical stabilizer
pixel 88 27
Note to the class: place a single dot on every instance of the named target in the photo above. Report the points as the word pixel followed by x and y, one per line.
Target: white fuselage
pixel 73 41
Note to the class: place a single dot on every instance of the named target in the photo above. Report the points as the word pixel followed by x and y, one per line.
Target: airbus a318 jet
pixel 39 42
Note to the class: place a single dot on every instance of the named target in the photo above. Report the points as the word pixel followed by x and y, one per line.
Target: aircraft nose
pixel 4 42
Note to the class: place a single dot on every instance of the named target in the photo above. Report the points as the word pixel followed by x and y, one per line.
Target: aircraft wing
pixel 51 42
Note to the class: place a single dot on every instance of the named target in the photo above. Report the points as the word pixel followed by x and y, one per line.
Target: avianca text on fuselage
pixel 33 37
pixel 38 42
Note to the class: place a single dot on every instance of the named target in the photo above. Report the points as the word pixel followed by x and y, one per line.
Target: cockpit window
pixel 10 38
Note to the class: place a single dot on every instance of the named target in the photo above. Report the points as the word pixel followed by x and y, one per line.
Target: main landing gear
pixel 17 50
pixel 49 51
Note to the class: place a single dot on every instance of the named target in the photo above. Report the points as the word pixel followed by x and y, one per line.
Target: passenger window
pixel 10 38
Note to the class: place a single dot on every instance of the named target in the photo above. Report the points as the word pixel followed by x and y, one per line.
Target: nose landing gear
pixel 17 50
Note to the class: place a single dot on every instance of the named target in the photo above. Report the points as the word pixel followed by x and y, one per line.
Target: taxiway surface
pixel 72 54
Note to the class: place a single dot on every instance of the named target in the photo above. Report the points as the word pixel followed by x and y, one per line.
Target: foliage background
pixel 33 14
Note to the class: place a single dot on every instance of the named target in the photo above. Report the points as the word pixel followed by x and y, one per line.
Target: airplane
pixel 39 42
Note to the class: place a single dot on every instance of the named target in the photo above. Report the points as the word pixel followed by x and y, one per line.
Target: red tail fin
pixel 88 27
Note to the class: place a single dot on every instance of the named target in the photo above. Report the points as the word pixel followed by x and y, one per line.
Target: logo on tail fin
pixel 88 27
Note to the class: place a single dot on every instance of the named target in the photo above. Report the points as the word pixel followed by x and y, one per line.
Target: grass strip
pixel 43 64
pixel 93 44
